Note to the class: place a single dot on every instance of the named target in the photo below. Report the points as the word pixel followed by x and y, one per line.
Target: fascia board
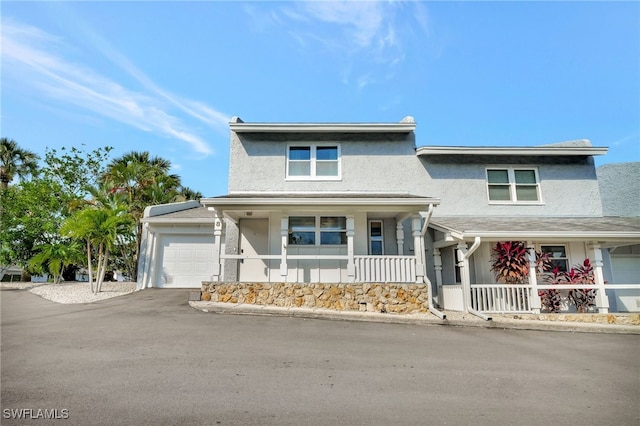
pixel 553 235
pixel 301 202
pixel 506 150
pixel 181 221
pixel 322 127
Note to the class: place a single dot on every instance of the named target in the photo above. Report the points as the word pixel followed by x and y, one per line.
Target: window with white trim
pixel 376 238
pixel 313 161
pixel 513 185
pixel 317 230
pixel 558 256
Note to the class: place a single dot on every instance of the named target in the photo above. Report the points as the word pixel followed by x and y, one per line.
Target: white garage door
pixel 626 270
pixel 185 261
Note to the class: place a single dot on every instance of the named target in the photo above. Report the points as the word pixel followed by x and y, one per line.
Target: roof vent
pixel 408 119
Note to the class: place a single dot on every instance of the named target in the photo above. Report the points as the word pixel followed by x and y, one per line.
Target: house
pixel 307 203
pixel 349 203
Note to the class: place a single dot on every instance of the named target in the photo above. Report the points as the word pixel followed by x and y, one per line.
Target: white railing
pixel 501 298
pixel 385 269
pixel 516 298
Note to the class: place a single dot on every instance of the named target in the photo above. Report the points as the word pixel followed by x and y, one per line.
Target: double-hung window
pixel 558 255
pixel 313 161
pixel 513 185
pixel 317 230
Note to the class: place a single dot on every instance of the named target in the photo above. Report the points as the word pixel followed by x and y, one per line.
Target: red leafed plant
pixel 584 299
pixel 510 262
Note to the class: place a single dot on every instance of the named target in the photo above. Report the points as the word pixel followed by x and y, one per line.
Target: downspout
pixel 467 255
pixel 426 279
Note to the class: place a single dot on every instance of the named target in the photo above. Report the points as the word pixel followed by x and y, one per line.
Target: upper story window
pixel 313 161
pixel 513 185
pixel 317 230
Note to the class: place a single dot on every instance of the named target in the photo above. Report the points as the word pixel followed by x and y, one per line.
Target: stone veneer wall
pixel 392 298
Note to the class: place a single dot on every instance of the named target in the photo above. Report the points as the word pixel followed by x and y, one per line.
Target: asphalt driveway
pixel 149 359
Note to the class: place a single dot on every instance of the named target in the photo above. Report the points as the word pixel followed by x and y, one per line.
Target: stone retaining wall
pixel 613 318
pixel 392 298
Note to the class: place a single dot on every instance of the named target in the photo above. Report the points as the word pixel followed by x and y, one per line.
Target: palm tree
pixel 15 161
pixel 99 227
pixel 187 193
pixel 54 257
pixel 145 180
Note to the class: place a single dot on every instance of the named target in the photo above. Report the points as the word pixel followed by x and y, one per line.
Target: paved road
pixel 149 359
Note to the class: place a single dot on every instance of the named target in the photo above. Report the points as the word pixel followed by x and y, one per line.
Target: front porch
pixel 320 238
pixel 464 281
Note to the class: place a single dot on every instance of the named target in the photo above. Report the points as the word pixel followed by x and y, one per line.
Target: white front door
pixel 254 241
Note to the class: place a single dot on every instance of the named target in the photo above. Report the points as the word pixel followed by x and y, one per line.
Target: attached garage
pixel 186 261
pixel 178 246
pixel 625 265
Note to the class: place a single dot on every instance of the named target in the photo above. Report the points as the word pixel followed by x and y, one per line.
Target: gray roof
pixel 587 227
pixel 195 213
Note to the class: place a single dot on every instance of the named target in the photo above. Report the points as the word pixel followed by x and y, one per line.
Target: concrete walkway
pixel 457 319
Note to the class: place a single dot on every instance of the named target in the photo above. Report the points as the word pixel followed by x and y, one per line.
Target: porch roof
pixel 236 205
pixel 604 229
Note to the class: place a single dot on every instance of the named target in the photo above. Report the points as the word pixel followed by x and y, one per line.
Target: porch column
pixel 217 242
pixel 351 264
pixel 284 237
pixel 465 278
pixel 602 301
pixel 400 238
pixel 437 263
pixel 418 249
pixel 534 299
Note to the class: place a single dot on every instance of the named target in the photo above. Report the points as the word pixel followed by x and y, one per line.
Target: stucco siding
pixel 568 189
pixel 620 189
pixel 369 162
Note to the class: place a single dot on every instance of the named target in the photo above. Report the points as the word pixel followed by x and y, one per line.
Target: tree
pixel 99 227
pixel 15 161
pixel 30 217
pixel 76 171
pixel 145 180
pixel 54 257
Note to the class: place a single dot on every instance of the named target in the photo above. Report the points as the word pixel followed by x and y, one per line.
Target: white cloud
pixel 36 60
pixel 373 34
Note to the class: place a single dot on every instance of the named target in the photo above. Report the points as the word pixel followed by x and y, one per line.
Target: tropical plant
pixel 510 262
pixel 584 299
pixel 54 257
pixel 99 227
pixel 145 181
pixel 31 216
pixel 15 161
pixel 551 299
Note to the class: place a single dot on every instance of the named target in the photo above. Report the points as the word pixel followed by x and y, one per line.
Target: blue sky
pixel 166 77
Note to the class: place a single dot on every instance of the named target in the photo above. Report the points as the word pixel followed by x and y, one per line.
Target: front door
pixel 254 241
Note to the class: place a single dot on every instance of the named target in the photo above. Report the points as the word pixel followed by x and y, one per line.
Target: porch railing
pixel 516 298
pixel 385 269
pixel 501 298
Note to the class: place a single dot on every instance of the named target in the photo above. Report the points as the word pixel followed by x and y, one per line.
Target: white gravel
pixel 74 292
